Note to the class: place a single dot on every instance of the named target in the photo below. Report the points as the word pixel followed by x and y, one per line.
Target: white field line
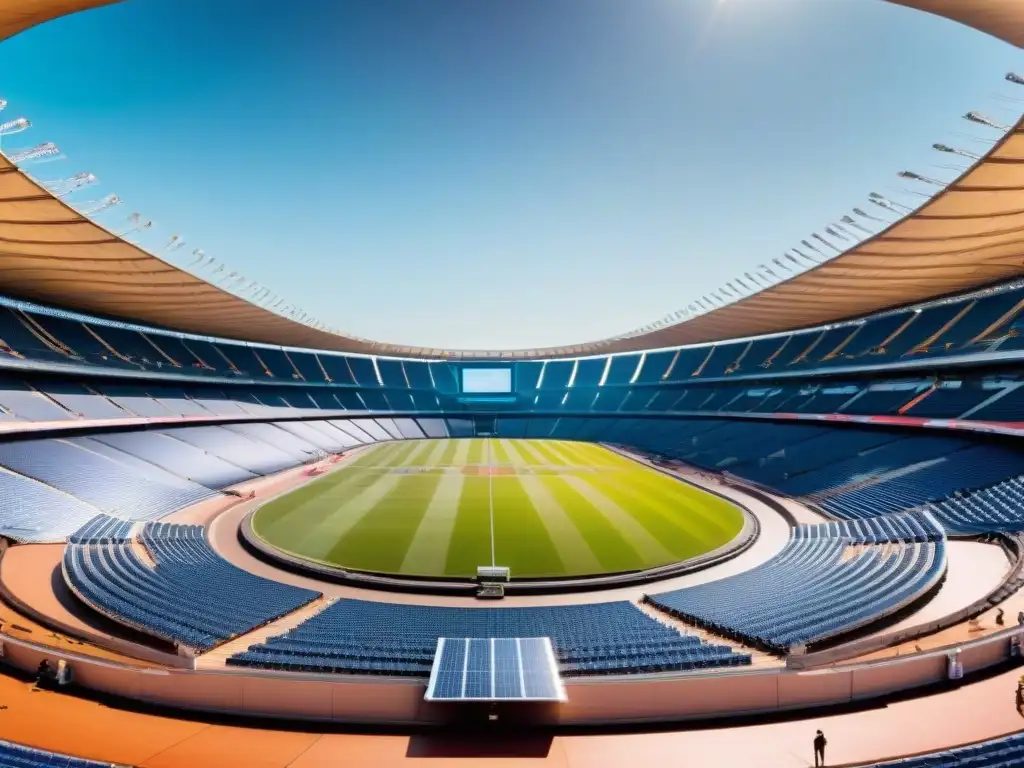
pixel 490 496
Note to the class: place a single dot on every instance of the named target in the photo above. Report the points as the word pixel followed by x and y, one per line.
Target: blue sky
pixel 498 174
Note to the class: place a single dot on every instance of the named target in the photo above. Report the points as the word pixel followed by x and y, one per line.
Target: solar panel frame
pixel 494 669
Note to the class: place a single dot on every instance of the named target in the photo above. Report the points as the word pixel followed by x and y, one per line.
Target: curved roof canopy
pixel 970 235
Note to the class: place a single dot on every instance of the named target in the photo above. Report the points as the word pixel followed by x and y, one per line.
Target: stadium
pixel 230 535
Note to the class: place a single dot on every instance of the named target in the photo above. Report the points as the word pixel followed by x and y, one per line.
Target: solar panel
pixel 494 669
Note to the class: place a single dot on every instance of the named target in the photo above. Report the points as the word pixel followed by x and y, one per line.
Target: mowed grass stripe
pixel 461 457
pixel 571 546
pixel 523 542
pixel 447 458
pixel 476 451
pixel 283 519
pixel 639 538
pixel 527 456
pixel 544 456
pixel 470 544
pixel 427 554
pixel 499 454
pixel 380 539
pixel 613 551
pixel 716 513
pixel 374 454
pixel 420 457
pixel 434 457
pixel 515 456
pixel 590 455
pixel 318 540
pixel 401 454
pixel 683 534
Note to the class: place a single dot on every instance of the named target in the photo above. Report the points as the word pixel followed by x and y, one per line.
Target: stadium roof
pixel 970 235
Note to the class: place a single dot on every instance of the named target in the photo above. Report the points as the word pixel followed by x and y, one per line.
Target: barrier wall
pixel 594 701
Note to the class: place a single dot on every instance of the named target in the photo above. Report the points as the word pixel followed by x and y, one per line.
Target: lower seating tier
pixel 1007 752
pixel 363 637
pixel 812 591
pixel 192 598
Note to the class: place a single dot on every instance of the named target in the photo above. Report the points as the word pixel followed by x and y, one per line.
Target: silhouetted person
pixel 819 750
pixel 999 617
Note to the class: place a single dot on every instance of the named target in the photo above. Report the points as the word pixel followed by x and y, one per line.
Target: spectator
pixel 819 750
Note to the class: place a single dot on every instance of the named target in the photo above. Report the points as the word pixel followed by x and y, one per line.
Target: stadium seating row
pixel 968 325
pixel 362 637
pixel 192 597
pixel 985 398
pixel 17 756
pixel 1007 752
pixel 51 487
pixel 818 588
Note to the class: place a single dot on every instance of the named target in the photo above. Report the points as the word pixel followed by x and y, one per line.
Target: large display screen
pixel 486 381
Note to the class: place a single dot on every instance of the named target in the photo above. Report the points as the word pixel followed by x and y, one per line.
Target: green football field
pixel 543 508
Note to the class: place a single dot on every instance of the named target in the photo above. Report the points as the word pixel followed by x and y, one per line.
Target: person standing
pixel 819 750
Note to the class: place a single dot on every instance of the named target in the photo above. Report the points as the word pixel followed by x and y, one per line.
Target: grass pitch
pixel 544 508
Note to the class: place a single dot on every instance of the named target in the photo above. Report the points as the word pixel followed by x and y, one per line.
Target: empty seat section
pixel 927 323
pixel 758 354
pixel 880 401
pixel 364 371
pixel 871 336
pixel 181 458
pixel 255 456
pixel 16 335
pixel 111 486
pixel 17 756
pixel 241 358
pixel 337 368
pixel 308 366
pixel 392 374
pixel 278 363
pixel 80 401
pixel 814 590
pixel 217 401
pixel 174 348
pixel 135 400
pixel 362 637
pixel 176 401
pixel 905 488
pixel 984 312
pixel 208 353
pixel 74 336
pixel 653 367
pixel 35 512
pixel 132 345
pixel 1008 407
pixel 621 370
pixel 999 507
pixel 686 363
pixel 192 597
pixel 308 434
pixel 949 402
pixel 21 401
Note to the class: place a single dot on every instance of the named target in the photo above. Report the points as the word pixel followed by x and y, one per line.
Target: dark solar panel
pixel 495 669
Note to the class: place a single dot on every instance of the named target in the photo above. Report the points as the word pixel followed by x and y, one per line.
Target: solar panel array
pixel 495 669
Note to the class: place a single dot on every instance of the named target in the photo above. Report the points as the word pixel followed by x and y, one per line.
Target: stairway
pixel 218 656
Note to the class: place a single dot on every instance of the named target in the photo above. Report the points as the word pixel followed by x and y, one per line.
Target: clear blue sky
pixel 498 173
